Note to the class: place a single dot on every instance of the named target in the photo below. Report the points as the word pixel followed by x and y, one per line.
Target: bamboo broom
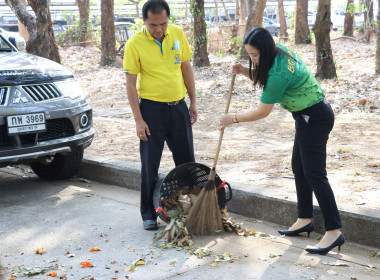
pixel 204 216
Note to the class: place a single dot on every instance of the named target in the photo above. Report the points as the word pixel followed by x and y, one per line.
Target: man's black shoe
pixel 150 225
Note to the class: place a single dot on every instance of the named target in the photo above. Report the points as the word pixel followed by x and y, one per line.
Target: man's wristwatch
pixel 234 119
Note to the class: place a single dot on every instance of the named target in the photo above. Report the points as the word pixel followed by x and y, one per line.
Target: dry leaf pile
pixel 177 206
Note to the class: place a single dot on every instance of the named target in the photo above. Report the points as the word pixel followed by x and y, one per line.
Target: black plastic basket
pixel 189 174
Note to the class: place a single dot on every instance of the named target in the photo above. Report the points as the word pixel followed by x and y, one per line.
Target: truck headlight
pixel 71 89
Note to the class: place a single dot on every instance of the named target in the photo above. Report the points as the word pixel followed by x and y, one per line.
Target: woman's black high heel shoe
pixel 308 228
pixel 323 251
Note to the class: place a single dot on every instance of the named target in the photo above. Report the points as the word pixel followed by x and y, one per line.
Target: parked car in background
pixel 125 19
pixel 222 19
pixel 15 39
pixel 45 120
pixel 273 27
pixel 10 27
pixel 337 18
pixel 311 17
pixel 359 19
pixel 124 31
pixel 58 26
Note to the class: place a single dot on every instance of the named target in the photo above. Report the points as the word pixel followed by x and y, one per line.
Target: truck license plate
pixel 27 123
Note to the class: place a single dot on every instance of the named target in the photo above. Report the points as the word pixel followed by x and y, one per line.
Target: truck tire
pixel 59 167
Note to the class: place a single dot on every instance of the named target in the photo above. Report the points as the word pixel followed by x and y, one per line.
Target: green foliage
pixel 237 42
pixel 351 9
pixel 309 38
pixel 325 53
pixel 70 37
pixel 291 18
pixel 220 53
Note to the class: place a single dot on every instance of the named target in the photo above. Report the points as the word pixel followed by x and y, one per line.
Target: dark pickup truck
pixel 45 120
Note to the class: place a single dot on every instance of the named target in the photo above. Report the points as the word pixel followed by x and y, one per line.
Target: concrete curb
pixel 358 227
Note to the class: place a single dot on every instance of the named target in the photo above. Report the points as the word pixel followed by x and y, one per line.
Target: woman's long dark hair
pixel 262 40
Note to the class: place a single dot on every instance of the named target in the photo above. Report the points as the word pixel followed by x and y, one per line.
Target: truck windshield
pixel 4 46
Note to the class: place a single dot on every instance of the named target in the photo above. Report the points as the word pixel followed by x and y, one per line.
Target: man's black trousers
pixel 313 126
pixel 170 123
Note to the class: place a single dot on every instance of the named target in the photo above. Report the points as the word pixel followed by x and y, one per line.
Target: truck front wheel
pixel 59 166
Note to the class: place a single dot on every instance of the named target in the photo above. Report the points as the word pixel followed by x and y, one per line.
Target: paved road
pixel 74 216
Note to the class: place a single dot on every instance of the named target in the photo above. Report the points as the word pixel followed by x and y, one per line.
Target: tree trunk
pixel 41 36
pixel 377 71
pixel 235 29
pixel 200 36
pixel 281 14
pixel 108 33
pixel 137 10
pixel 84 12
pixel 349 19
pixel 216 11
pixel 368 14
pixel 186 18
pixel 21 28
pixel 255 19
pixel 242 15
pixel 226 12
pixel 136 3
pixel 325 61
pixel 302 31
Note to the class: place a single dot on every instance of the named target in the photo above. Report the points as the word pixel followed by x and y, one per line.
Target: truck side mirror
pixel 13 41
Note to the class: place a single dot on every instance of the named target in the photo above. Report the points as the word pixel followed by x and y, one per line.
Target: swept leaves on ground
pixel 225 257
pixel 176 207
pixel 30 271
pixel 335 264
pixel 202 252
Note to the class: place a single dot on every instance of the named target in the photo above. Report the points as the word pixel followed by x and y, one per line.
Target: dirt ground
pixel 255 154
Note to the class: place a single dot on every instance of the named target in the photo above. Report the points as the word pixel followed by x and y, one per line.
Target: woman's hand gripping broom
pixel 204 216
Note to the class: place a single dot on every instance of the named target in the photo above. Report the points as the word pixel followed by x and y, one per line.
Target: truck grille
pixel 42 92
pixel 56 129
pixel 3 135
pixel 3 95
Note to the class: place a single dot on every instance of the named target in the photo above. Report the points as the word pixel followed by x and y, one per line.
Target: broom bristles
pixel 204 216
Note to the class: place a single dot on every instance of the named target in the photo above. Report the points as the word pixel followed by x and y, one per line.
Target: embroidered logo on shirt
pixel 177 58
pixel 291 63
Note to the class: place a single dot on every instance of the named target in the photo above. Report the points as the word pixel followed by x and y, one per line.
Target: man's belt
pixel 172 103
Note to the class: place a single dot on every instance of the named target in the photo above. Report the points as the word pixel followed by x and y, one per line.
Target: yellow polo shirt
pixel 159 75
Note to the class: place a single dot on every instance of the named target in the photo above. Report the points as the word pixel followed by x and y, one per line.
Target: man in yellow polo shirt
pixel 158 74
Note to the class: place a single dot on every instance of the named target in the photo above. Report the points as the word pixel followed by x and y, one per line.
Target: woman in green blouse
pixel 286 80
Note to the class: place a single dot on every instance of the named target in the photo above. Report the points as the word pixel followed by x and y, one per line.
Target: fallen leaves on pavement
pixel 94 249
pixel 86 264
pixel 40 251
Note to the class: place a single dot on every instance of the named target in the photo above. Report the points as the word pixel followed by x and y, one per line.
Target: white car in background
pixel 337 19
pixel 311 17
pixel 359 19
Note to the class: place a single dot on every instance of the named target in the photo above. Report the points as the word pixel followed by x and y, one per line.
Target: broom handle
pixel 222 130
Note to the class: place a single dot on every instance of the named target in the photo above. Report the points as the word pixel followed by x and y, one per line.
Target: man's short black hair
pixel 155 7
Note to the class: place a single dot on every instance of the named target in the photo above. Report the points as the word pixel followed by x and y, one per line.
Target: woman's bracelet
pixel 234 119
